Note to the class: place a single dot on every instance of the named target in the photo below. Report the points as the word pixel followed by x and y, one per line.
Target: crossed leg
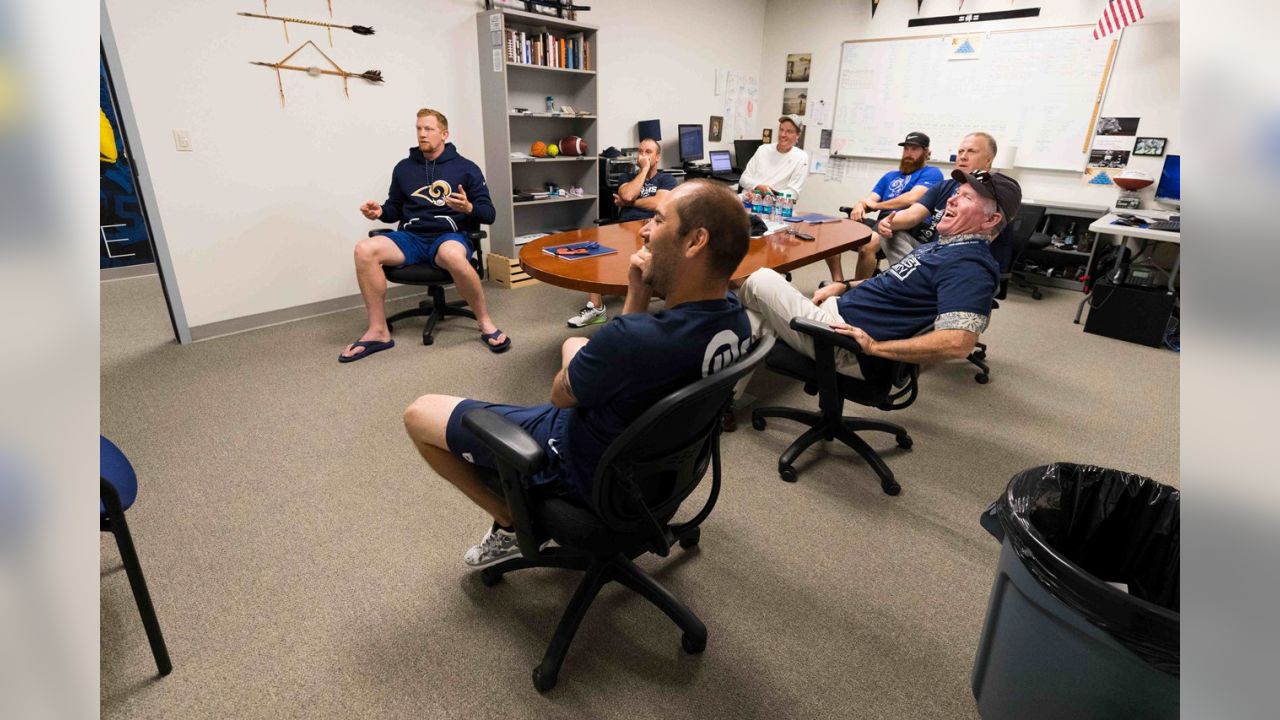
pixel 426 421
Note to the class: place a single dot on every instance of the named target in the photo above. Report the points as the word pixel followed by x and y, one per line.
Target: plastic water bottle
pixel 756 206
pixel 766 206
pixel 787 206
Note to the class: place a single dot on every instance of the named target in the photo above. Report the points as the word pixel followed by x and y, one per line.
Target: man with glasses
pixel 780 168
pixel 946 283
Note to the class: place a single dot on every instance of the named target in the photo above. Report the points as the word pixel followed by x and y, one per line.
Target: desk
pixel 607 274
pixel 1105 225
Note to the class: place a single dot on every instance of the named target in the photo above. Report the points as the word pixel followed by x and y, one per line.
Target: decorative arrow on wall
pixel 373 76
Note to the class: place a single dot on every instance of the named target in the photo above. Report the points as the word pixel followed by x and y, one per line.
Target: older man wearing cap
pixel 897 190
pixel 780 168
pixel 947 283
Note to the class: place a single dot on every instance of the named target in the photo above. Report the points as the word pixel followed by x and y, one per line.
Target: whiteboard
pixel 1034 89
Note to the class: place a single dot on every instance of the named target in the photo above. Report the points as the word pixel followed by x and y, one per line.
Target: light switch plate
pixel 182 140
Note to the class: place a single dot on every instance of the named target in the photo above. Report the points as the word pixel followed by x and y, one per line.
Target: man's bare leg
pixel 371 254
pixel 452 258
pixel 867 261
pixel 836 267
pixel 425 421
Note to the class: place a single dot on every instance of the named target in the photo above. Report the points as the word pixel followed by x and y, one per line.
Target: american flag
pixel 1118 14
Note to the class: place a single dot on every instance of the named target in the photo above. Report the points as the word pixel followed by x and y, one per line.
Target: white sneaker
pixel 589 315
pixel 497 545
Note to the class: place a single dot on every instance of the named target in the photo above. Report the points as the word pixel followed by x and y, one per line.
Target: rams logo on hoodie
pixel 435 193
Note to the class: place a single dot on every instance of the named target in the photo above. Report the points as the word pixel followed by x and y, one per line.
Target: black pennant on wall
pixel 874 4
pixel 919 4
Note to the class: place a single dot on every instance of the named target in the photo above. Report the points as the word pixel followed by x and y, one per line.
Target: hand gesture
pixel 644 162
pixel 638 266
pixel 764 188
pixel 371 210
pixel 457 200
pixel 865 341
pixel 885 227
pixel 859 211
pixel 618 201
pixel 827 292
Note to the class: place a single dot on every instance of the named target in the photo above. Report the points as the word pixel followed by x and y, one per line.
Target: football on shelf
pixel 539 149
pixel 1132 180
pixel 573 145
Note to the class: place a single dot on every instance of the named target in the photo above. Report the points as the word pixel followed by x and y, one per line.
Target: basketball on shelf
pixel 573 145
pixel 552 150
pixel 539 149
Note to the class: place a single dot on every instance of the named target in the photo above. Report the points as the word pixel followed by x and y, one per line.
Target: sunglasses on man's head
pixel 985 178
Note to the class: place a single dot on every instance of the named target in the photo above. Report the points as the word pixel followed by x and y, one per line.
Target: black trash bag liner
pixel 1078 527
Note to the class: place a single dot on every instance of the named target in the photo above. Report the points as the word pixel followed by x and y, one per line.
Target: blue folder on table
pixel 593 249
pixel 815 218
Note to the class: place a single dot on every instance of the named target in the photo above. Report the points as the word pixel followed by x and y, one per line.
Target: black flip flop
pixel 503 346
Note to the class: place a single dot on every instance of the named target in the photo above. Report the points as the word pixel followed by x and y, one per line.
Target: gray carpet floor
pixel 305 562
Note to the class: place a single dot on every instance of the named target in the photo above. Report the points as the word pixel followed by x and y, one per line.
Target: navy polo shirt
pixel 935 199
pixel 948 284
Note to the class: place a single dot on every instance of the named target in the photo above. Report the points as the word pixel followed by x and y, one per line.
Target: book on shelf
pixel 547 49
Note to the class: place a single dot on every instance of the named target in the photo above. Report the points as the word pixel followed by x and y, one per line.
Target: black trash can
pixel 1083 617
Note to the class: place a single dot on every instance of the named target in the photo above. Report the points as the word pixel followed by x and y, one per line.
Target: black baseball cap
pixel 999 187
pixel 916 138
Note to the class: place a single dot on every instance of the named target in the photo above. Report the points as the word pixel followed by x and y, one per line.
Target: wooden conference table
pixel 607 274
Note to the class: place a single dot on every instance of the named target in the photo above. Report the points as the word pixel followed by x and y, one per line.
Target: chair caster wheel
pixel 489 578
pixel 810 389
pixel 1036 295
pixel 982 378
pixel 691 540
pixel 788 474
pixel 890 487
pixel 693 645
pixel 905 442
pixel 980 354
pixel 543 681
pixel 428 340
pixel 757 422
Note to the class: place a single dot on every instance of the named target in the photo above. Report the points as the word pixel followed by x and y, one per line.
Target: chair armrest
pixel 380 231
pixel 519 457
pixel 848 211
pixel 509 442
pixel 824 333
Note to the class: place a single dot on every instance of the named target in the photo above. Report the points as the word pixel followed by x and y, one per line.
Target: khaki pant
pixel 771 302
pixel 898 246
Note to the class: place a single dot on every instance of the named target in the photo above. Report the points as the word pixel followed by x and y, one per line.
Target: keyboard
pixel 729 177
pixel 1166 225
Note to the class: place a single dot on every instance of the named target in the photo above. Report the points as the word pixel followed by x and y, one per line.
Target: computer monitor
pixel 1169 189
pixel 720 162
pixel 744 150
pixel 690 143
pixel 649 129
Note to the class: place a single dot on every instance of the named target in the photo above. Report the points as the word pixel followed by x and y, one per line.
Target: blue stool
pixel 119 490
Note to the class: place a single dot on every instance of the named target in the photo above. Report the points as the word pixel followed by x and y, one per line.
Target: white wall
pixel 263 214
pixel 1144 80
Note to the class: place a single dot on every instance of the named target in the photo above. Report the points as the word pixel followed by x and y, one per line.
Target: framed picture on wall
pixel 1149 146
pixel 715 128
pixel 767 135
pixel 798 67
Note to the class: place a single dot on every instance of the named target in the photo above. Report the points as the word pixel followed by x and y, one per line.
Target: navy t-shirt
pixel 894 183
pixel 660 181
pixel 950 284
pixel 631 363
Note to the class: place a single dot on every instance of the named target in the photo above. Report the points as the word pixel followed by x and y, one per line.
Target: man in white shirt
pixel 779 168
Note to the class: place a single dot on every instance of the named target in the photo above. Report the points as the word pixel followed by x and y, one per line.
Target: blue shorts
pixel 544 422
pixel 418 249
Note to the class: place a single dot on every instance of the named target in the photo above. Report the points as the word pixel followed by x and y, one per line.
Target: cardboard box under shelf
pixel 507 272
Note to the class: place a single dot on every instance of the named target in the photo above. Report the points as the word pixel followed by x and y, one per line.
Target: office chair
pixel 1022 236
pixel 892 386
pixel 639 484
pixel 119 488
pixel 434 307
